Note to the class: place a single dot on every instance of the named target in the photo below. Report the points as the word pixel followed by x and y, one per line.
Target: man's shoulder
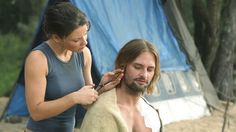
pixel 105 100
pixel 108 96
pixel 105 106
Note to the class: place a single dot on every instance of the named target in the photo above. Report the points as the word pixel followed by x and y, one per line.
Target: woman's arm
pixel 87 66
pixel 36 70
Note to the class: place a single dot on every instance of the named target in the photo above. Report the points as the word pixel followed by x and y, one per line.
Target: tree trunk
pixel 212 41
pixel 206 34
pixel 201 26
pixel 223 68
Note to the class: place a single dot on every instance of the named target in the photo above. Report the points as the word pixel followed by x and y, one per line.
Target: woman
pixel 62 78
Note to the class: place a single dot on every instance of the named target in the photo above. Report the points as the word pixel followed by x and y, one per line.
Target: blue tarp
pixel 115 22
pixel 17 105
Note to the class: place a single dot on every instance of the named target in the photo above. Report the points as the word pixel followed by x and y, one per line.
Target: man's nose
pixel 144 73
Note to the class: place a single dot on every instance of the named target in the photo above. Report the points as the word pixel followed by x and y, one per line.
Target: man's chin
pixel 142 85
pixel 140 89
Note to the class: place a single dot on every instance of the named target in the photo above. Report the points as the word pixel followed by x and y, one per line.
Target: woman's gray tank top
pixel 63 78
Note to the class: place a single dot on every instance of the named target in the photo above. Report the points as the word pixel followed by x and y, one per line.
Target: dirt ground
pixel 213 123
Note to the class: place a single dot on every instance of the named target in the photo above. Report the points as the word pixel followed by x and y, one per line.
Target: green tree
pixel 13 12
pixel 19 20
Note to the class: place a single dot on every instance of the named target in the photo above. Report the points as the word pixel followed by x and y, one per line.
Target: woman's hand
pixel 86 95
pixel 110 80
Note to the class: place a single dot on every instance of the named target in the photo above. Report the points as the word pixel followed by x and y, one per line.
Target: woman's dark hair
pixel 63 18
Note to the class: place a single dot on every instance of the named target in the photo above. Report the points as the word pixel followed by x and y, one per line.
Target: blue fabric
pixel 115 22
pixel 17 104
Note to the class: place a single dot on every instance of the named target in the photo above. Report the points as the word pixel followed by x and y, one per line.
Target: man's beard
pixel 134 87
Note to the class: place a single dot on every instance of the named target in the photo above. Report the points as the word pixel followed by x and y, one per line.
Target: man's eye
pixel 137 67
pixel 150 69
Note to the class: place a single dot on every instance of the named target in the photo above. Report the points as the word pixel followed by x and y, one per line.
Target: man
pixel 123 109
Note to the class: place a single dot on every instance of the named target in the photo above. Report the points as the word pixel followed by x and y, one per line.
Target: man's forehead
pixel 145 58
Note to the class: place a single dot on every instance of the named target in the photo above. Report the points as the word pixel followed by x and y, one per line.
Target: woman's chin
pixel 80 49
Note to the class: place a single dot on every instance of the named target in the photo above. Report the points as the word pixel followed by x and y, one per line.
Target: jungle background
pixel 212 24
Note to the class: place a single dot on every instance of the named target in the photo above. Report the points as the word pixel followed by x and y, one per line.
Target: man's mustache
pixel 141 79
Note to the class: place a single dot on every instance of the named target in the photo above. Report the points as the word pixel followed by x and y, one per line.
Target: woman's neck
pixel 59 50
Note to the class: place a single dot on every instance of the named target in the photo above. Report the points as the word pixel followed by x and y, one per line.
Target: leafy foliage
pixel 12 49
pixel 18 24
pixel 13 12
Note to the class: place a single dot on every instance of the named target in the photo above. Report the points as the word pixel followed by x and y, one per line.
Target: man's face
pixel 139 73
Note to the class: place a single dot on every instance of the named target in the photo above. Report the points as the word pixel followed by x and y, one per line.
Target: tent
pixel 184 90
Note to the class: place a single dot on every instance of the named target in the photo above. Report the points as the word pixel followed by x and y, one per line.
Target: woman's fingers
pixel 87 95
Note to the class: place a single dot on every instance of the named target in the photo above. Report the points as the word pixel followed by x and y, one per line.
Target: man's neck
pixel 126 97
